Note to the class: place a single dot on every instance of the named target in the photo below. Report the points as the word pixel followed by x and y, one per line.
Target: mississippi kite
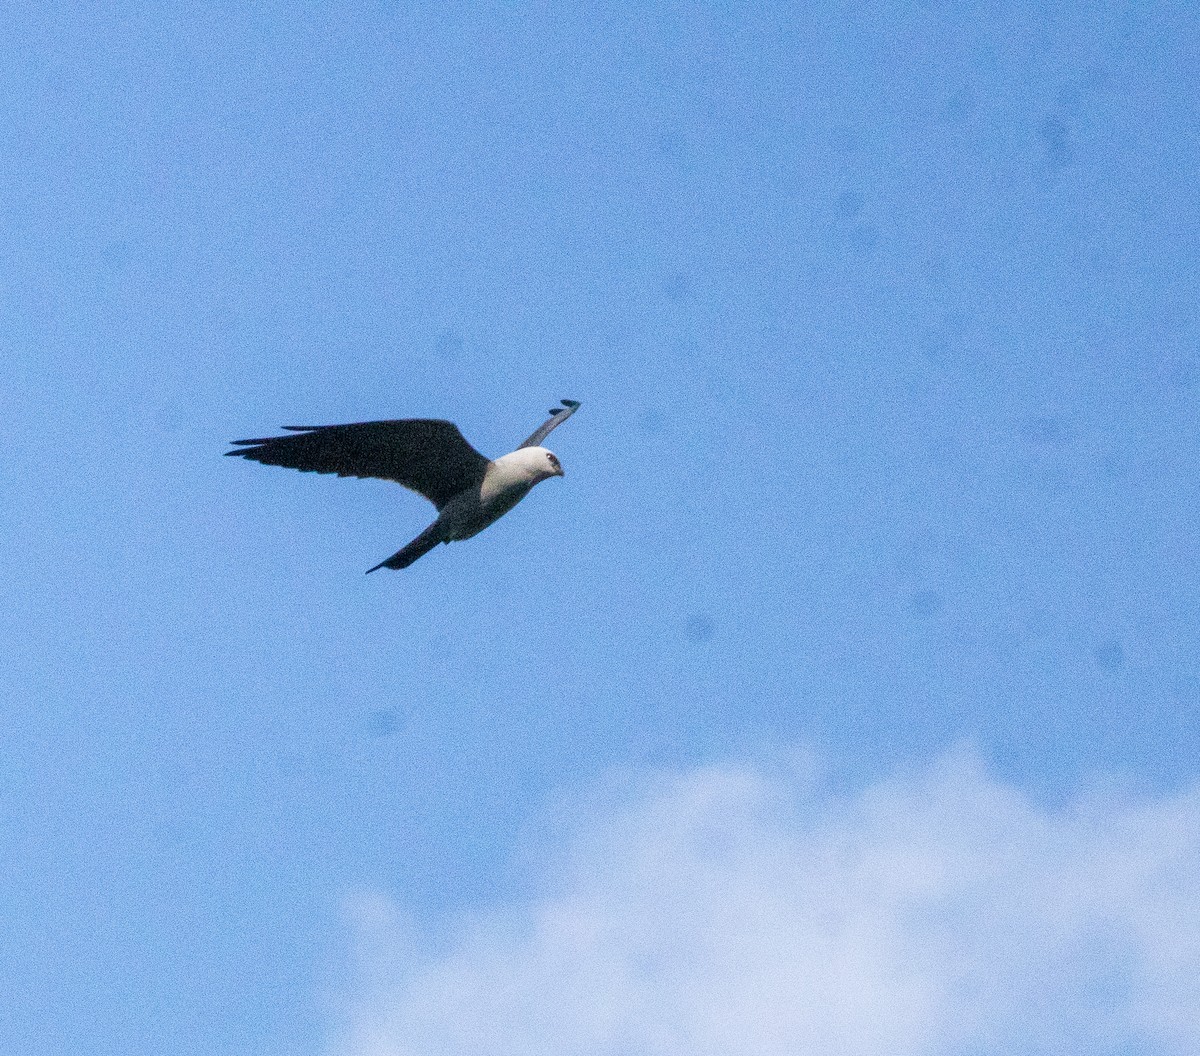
pixel 428 455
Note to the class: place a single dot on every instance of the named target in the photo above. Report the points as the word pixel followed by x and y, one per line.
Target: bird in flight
pixel 428 455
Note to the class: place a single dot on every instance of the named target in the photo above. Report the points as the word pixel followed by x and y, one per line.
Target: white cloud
pixel 743 912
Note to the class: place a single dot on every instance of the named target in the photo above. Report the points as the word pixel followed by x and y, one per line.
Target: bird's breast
pixel 471 512
pixel 499 499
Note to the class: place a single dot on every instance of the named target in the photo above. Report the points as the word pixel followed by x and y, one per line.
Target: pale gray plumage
pixel 429 456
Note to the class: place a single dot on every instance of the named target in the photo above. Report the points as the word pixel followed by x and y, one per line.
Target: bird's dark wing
pixel 558 415
pixel 428 455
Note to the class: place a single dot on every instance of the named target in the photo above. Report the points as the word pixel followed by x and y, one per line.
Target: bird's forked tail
pixel 420 546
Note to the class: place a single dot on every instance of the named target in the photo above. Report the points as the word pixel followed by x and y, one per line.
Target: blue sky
pixel 881 503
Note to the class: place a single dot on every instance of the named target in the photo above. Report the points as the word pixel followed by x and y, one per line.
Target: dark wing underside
pixel 428 455
pixel 557 416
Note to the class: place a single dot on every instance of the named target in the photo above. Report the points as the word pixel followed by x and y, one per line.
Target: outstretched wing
pixel 558 415
pixel 428 455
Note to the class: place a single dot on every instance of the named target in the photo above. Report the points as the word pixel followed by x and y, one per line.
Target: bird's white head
pixel 535 464
pixel 545 463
